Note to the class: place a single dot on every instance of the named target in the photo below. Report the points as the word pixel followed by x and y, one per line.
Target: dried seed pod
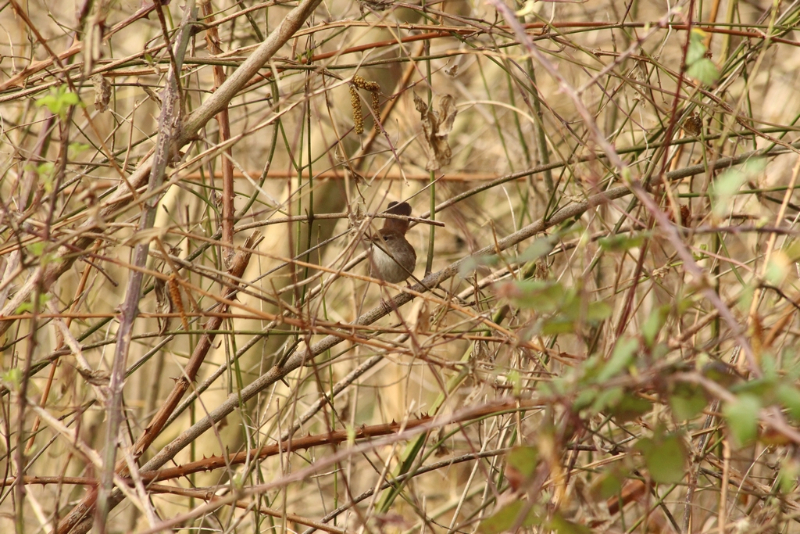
pixel 163 305
pixel 437 125
pixel 684 212
pixel 102 92
pixel 175 297
pixel 693 125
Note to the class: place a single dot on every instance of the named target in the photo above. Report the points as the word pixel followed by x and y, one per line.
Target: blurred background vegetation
pixel 598 335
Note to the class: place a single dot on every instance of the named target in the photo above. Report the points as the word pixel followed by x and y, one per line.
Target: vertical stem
pixel 541 141
pixel 168 127
pixel 432 205
pixel 228 193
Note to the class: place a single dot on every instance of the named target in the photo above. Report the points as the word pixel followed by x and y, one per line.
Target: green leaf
pixel 45 169
pixel 697 48
pixel 620 243
pixel 769 366
pixel 557 325
pixel 48 184
pixel 473 263
pixel 723 190
pixel 36 248
pixel 564 526
pixel 653 323
pixel 69 98
pixel 515 380
pixel 787 477
pixel 524 460
pixel 13 377
pixel 75 149
pixel 630 407
pixel 789 397
pixel 607 397
pixel 538 249
pixel 793 251
pixel 542 296
pixel 26 307
pixel 763 388
pixel 508 516
pixel 729 182
pixel 585 398
pixel 664 457
pixel 620 359
pixel 687 401
pixel 695 53
pixel 598 311
pixel 742 417
pixel 607 485
pixel 778 268
pixel 704 71
pixel 58 100
pixel 576 310
pixel 746 294
pixel 720 373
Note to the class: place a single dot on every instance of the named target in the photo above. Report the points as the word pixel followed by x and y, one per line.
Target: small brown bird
pixel 392 257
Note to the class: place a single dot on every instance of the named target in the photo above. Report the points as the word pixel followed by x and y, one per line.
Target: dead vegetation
pixel 599 332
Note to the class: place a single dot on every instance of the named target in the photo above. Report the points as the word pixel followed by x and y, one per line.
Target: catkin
pixel 376 103
pixel 355 102
pixel 373 87
pixel 177 301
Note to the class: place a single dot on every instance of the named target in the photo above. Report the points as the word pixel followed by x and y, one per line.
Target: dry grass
pixel 599 332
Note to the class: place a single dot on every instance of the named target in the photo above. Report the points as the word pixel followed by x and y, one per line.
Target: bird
pixel 392 257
